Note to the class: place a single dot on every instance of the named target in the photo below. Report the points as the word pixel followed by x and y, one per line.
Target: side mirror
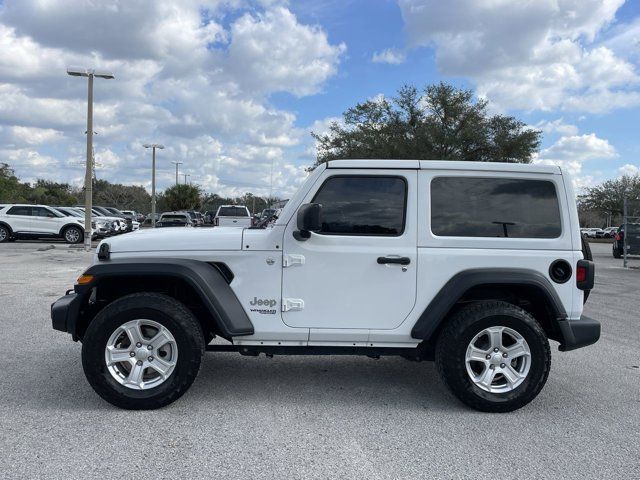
pixel 309 220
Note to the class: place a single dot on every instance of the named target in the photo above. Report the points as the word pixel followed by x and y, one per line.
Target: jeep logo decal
pixel 267 302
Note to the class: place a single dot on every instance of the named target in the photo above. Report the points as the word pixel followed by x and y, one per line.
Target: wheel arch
pixel 69 225
pixel 202 287
pixel 6 225
pixel 528 289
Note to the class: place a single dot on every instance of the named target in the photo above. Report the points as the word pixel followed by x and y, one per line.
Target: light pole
pixel 88 174
pixel 185 175
pixel 153 146
pixel 176 164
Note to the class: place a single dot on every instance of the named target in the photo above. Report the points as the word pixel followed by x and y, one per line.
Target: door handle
pixel 394 260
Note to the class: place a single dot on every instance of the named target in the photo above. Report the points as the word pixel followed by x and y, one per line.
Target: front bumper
pixel 578 333
pixel 65 311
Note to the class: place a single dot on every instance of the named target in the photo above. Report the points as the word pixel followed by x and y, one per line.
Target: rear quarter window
pixel 494 207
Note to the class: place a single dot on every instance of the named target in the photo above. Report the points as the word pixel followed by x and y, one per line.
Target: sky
pixel 233 88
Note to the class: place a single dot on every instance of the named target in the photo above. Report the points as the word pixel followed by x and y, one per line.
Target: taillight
pixel 216 222
pixel 581 274
pixel 585 274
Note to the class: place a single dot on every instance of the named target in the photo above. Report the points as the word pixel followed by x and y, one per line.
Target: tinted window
pixel 494 207
pixel 19 211
pixel 233 212
pixel 361 205
pixel 43 212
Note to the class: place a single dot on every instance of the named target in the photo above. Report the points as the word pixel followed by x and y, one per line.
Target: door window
pixel 363 205
pixel 19 211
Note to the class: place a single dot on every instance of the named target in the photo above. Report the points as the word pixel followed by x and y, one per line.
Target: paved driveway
pixel 309 417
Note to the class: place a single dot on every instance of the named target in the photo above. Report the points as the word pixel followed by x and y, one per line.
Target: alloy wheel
pixel 498 359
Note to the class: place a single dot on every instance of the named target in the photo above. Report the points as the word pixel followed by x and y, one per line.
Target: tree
pixel 52 193
pixel 441 122
pixel 123 197
pixel 608 197
pixel 182 197
pixel 11 190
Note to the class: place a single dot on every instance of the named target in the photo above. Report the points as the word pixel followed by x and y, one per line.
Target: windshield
pixel 233 212
pixel 182 218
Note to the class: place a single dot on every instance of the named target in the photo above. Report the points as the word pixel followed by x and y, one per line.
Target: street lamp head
pixel 153 145
pixel 85 72
pixel 103 74
pixel 77 72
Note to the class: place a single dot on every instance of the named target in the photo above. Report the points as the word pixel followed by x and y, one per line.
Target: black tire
pixel 460 330
pixel 152 306
pixel 586 253
pixel 5 234
pixel 69 237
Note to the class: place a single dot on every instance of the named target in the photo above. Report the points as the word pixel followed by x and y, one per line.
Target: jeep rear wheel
pixel 493 356
pixel 142 351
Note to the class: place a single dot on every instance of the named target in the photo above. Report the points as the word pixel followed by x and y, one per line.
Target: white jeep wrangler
pixel 473 265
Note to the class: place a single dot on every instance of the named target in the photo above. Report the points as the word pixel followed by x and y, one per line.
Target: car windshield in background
pixel 181 218
pixel 233 212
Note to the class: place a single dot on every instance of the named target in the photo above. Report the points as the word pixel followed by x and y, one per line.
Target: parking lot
pixel 310 417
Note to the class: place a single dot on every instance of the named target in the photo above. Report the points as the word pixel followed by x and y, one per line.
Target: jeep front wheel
pixel 142 351
pixel 493 356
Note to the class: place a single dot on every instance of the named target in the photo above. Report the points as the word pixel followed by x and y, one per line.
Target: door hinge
pixel 291 260
pixel 292 304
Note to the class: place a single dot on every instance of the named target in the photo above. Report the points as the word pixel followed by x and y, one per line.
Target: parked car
pixel 610 232
pixel 147 220
pixel 196 218
pixel 633 240
pixel 208 217
pixel 119 225
pixel 131 222
pixel 101 228
pixel 138 217
pixel 371 257
pixel 232 216
pixel 39 221
pixel 174 219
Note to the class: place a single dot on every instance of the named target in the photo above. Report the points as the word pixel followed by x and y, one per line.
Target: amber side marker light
pixel 84 279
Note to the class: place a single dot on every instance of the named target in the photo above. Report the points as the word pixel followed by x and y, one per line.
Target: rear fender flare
pixel 437 311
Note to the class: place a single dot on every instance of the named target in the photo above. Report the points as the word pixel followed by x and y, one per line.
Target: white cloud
pixel 271 52
pixel 557 126
pixel 390 55
pixel 580 148
pixel 527 55
pixel 572 151
pixel 629 169
pixel 182 78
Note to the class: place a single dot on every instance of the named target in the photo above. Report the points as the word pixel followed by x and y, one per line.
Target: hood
pixel 173 239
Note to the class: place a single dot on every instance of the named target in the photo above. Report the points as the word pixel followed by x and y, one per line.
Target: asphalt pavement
pixel 309 417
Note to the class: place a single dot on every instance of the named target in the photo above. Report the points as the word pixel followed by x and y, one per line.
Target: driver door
pixel 359 272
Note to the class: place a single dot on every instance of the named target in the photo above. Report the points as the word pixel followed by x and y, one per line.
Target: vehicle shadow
pixel 250 382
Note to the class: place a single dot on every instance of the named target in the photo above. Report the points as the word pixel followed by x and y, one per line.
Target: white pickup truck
pixel 232 216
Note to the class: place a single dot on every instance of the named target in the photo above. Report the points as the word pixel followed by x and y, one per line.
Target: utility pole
pixel 626 230
pixel 176 164
pixel 185 175
pixel 153 146
pixel 88 173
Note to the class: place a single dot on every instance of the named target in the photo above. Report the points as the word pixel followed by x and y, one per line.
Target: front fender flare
pixel 205 279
